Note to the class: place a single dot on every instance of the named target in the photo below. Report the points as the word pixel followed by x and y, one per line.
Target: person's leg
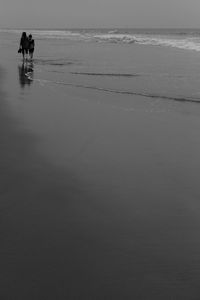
pixel 23 53
pixel 31 54
pixel 26 54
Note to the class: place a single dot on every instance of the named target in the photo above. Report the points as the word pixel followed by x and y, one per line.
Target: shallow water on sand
pixel 100 193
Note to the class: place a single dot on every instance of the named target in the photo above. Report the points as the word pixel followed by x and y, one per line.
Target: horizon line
pixel 89 27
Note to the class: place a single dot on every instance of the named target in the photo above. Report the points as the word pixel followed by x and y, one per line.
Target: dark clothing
pixel 24 50
pixel 31 46
pixel 24 43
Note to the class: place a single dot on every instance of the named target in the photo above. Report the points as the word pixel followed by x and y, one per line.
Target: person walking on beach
pixel 31 46
pixel 24 44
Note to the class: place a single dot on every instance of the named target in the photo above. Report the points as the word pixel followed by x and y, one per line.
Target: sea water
pixel 177 38
pixel 112 59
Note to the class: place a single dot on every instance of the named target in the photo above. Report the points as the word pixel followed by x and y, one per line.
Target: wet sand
pixel 107 208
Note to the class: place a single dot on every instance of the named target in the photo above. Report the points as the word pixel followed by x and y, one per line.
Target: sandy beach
pixel 99 188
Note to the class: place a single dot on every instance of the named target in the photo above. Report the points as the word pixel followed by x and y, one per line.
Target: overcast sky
pixel 99 13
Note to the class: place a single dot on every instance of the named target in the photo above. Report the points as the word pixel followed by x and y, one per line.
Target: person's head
pixel 30 36
pixel 23 34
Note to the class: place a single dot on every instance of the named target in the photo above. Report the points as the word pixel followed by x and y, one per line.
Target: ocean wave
pixel 115 38
pixel 187 40
pixel 185 44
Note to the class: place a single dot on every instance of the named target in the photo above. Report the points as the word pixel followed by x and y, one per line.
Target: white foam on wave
pixel 115 38
pixel 187 43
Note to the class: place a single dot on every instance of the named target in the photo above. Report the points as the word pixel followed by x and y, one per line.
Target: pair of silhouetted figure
pixel 27 45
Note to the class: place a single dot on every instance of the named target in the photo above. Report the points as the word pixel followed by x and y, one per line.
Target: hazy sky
pixel 99 13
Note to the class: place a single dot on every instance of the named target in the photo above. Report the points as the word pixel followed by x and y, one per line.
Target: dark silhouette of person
pixel 31 46
pixel 25 74
pixel 24 44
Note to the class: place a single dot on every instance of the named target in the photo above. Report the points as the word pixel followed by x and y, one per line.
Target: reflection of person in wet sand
pixel 25 74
